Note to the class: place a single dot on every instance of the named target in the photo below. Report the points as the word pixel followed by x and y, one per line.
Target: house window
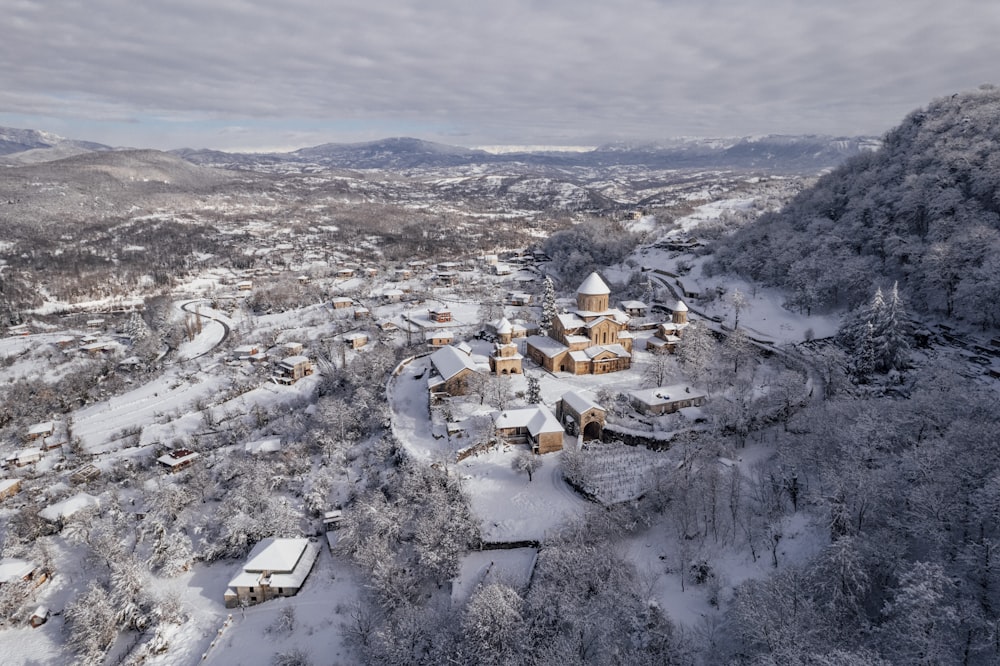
pixel 281 590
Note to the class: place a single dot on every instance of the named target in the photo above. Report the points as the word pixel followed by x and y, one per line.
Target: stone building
pixel 593 339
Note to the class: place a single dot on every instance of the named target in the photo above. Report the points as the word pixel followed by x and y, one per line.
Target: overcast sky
pixel 264 74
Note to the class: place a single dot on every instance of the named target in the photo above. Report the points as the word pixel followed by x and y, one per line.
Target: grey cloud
pixel 520 71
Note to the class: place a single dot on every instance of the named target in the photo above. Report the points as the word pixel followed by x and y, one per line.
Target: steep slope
pixel 924 210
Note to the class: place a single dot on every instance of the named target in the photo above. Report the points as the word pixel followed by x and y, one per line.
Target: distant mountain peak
pixel 14 140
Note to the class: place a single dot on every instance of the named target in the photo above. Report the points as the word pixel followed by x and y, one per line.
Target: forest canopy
pixel 923 210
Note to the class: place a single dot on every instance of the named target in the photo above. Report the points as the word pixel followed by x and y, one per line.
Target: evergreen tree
pixel 549 311
pixel 864 361
pixel 534 395
pixel 893 345
pixel 878 335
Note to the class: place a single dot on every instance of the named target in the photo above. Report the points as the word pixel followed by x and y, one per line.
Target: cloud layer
pixel 257 73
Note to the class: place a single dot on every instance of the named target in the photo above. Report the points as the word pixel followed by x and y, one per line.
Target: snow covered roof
pixel 69 506
pixel 288 561
pixel 504 326
pixel 570 321
pixel 268 445
pixel 679 306
pixel 546 345
pixel 177 457
pixel 293 361
pixel 580 401
pixel 13 569
pixel 618 351
pixel 41 428
pixel 543 421
pixel 593 286
pixel 439 334
pixel 633 305
pixel 536 419
pixel 449 361
pixel 663 395
pixel 275 555
pixel 7 484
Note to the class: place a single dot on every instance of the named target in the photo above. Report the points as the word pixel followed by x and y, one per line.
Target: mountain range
pixel 771 152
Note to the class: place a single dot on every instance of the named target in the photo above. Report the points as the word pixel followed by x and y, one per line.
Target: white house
pixel 275 568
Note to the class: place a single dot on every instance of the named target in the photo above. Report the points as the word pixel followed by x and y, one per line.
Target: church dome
pixel 593 286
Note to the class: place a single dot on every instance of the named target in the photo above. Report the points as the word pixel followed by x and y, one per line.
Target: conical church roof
pixel 593 286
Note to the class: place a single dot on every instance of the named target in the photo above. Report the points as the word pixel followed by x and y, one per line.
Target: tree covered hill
pixel 924 209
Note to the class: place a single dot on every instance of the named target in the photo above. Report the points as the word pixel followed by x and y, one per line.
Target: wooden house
pixel 178 459
pixel 244 285
pixel 24 457
pixel 9 488
pixel 362 313
pixel 535 426
pixel 42 430
pixel 39 617
pixel 634 308
pixel 341 302
pixel 356 340
pixel 246 351
pixel 452 370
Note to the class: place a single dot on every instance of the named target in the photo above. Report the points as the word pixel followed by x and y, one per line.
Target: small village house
pixel 15 570
pixel 439 338
pixel 244 285
pixel 356 340
pixel 24 457
pixel 362 313
pixel 341 302
pixel 39 617
pixel 178 459
pixel 9 488
pixel 452 370
pixel 274 568
pixel 291 348
pixel 535 426
pixel 293 368
pixel 439 315
pixel 84 474
pixel 44 429
pixel 665 399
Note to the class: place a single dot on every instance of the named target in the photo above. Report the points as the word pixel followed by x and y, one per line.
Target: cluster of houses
pixel 44 437
pixel 592 339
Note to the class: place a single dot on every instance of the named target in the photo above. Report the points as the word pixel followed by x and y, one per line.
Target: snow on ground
pixel 174 392
pixel 321 610
pixel 657 558
pixel 511 507
pixel 511 567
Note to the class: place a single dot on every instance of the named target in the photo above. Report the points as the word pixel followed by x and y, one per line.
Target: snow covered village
pixel 283 412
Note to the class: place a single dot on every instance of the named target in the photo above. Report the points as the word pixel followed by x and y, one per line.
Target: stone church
pixel 593 339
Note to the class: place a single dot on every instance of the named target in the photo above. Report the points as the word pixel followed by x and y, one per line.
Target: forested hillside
pixel 924 210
